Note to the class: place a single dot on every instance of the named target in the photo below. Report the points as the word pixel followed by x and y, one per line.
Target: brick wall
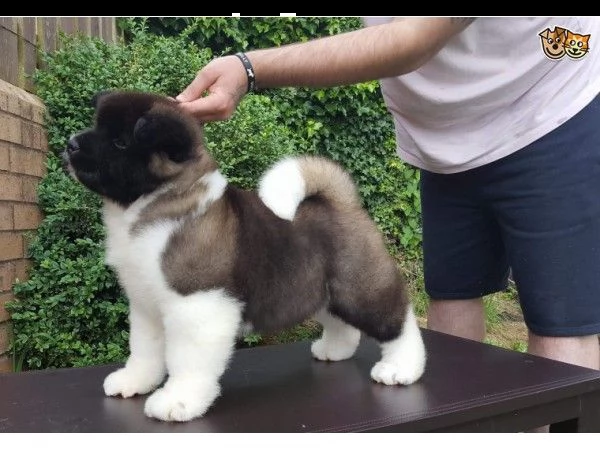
pixel 23 148
pixel 23 39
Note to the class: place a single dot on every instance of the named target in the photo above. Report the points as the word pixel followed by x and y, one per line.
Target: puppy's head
pixel 139 142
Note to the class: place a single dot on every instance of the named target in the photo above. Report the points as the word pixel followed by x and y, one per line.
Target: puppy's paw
pixel 338 350
pixel 390 374
pixel 178 404
pixel 128 382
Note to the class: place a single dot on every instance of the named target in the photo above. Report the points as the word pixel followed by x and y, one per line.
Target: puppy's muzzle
pixel 72 146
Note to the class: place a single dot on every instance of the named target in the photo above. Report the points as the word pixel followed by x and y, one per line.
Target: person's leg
pixel 579 350
pixel 545 199
pixel 462 318
pixel 464 256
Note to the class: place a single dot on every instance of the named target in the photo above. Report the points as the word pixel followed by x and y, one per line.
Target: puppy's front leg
pixel 200 332
pixel 145 367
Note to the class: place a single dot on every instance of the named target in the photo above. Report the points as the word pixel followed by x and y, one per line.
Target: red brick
pixel 6 216
pixel 7 276
pixel 4 156
pixel 22 267
pixel 29 189
pixel 27 238
pixel 6 363
pixel 27 216
pixel 40 138
pixel 10 187
pixel 28 162
pixel 44 140
pixel 5 336
pixel 3 101
pixel 27 134
pixel 10 127
pixel 13 106
pixel 4 299
pixel 26 109
pixel 33 136
pixel 11 245
pixel 39 114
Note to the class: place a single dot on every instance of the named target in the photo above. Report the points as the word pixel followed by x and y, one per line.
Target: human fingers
pixel 197 87
pixel 225 81
pixel 215 106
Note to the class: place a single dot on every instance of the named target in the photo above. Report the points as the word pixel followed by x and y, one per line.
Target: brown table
pixel 467 387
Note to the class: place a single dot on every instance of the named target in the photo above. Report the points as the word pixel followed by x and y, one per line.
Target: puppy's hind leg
pixel 338 341
pixel 403 358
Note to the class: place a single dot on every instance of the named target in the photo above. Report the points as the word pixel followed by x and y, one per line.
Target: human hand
pixel 226 83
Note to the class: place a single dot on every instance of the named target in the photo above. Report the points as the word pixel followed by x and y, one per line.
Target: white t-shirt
pixel 490 92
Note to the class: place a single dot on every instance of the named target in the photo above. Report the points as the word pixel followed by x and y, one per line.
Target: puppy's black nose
pixel 72 146
pixel 555 46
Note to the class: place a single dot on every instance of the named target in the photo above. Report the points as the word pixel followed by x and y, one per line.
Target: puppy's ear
pixel 96 98
pixel 139 133
pixel 160 131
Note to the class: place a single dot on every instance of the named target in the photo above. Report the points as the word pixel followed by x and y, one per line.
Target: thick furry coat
pixel 201 260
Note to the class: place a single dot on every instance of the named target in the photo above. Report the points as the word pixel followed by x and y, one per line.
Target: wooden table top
pixel 467 386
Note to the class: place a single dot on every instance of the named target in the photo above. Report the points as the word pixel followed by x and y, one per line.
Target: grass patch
pixel 308 330
pixel 503 316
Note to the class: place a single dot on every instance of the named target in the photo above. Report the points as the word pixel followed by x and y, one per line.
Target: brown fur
pixel 182 199
pixel 329 179
pixel 285 271
pixel 331 255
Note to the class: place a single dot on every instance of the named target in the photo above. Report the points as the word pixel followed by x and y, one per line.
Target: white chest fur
pixel 136 255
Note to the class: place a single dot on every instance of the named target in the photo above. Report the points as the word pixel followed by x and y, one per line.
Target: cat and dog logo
pixel 559 42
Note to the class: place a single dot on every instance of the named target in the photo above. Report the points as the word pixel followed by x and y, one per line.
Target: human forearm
pixel 367 54
pixel 370 53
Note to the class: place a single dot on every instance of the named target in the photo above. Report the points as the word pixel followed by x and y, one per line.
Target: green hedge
pixel 71 311
pixel 349 124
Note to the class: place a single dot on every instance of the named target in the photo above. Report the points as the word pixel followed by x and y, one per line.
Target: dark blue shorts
pixel 536 212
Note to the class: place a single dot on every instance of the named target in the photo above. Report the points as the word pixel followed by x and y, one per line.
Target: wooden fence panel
pixel 29 29
pixel 96 27
pixel 9 56
pixel 108 29
pixel 50 25
pixel 23 39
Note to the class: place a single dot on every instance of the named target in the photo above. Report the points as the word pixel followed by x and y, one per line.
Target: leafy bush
pixel 83 66
pixel 233 34
pixel 71 311
pixel 352 126
pixel 248 143
pixel 349 124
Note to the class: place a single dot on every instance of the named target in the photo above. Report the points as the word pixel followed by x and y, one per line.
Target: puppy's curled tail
pixel 283 187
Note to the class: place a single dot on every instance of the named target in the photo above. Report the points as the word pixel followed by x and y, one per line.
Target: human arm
pixel 370 53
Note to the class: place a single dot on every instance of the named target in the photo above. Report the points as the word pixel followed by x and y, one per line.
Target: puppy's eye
pixel 120 144
pixel 550 40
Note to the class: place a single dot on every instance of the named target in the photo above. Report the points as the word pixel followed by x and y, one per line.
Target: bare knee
pixel 462 318
pixel 579 350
